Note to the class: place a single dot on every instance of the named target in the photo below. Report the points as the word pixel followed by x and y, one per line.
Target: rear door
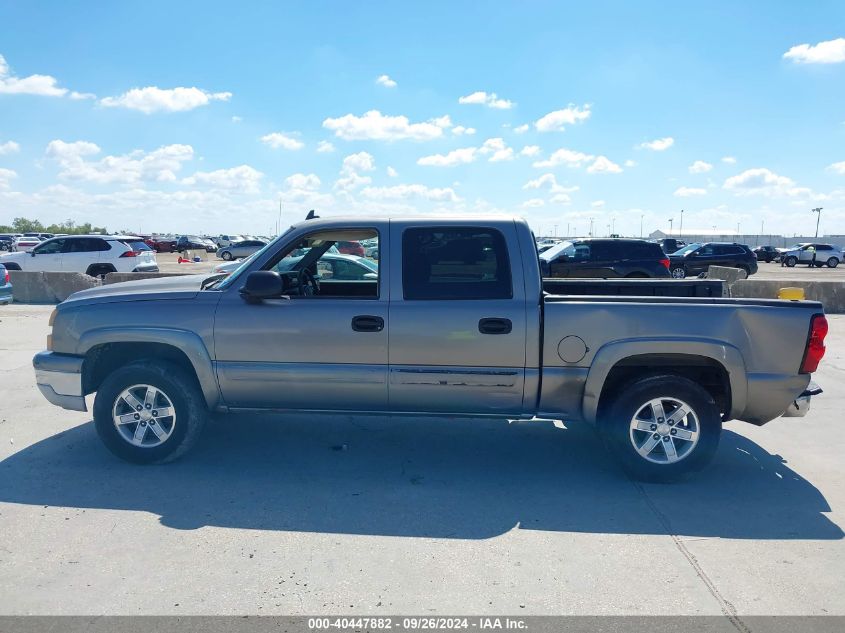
pixel 458 319
pixel 81 253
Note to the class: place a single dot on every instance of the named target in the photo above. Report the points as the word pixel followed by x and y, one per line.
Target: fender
pixel 728 356
pixel 188 342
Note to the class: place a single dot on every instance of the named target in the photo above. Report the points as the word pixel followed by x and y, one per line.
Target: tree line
pixel 25 225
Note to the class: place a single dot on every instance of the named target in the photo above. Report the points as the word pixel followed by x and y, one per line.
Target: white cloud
pixel 530 150
pixel 498 150
pixel 154 99
pixel 521 129
pixel 557 120
pixel 730 160
pixel 688 192
pixel 630 163
pixel 403 192
pixel 386 81
pixel 324 147
pixel 491 100
pixel 762 181
pixel 533 203
pixel 502 155
pixel 42 85
pixel 6 176
pixel 9 147
pixel 700 167
pixel 659 145
pixel 244 179
pixel 561 198
pixel 460 130
pixel 376 126
pixel 278 140
pixel 551 181
pixel 350 172
pixel 455 157
pixel 392 172
pixel 159 165
pixel 567 157
pixel 829 52
pixel 597 204
pixel 838 168
pixel 81 96
pixel 307 182
pixel 236 119
pixel 603 164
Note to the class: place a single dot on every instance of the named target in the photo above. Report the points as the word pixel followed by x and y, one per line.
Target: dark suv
pixel 604 258
pixel 696 258
pixel 766 253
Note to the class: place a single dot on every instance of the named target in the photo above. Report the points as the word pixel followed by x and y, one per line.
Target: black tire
pixel 182 390
pixel 99 272
pixel 832 262
pixel 678 272
pixel 790 261
pixel 616 420
pixel 745 269
pixel 227 256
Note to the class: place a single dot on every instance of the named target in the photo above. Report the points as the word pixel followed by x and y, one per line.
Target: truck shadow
pixel 466 479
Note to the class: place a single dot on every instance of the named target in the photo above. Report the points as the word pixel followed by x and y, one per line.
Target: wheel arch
pixel 717 365
pixel 106 349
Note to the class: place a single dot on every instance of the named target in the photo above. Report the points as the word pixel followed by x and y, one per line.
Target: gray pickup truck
pixel 455 322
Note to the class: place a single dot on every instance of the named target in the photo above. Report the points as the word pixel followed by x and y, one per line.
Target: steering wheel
pixel 308 284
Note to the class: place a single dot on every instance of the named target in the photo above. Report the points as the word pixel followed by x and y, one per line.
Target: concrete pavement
pixel 340 514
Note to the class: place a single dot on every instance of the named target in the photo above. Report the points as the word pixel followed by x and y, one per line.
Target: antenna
pixel 311 215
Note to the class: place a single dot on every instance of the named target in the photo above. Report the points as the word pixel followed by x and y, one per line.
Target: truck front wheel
pixel 149 412
pixel 662 427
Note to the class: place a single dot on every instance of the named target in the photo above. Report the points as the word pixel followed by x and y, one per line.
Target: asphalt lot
pixel 340 514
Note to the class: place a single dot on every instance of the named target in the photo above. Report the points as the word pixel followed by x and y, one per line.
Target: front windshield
pixel 555 250
pixel 688 249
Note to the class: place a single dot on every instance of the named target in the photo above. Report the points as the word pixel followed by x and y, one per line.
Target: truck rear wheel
pixel 662 427
pixel 149 412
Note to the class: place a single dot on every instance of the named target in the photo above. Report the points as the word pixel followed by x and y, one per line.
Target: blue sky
pixel 202 116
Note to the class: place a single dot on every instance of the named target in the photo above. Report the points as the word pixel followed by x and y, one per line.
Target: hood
pixel 13 257
pixel 179 287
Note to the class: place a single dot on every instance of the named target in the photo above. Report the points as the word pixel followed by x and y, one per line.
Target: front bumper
pixel 59 378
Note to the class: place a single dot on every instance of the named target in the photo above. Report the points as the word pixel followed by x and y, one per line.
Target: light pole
pixel 613 226
pixel 681 228
pixel 670 226
pixel 641 225
pixel 819 211
pixel 591 227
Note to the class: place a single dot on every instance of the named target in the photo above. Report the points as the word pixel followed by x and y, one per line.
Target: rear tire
pixel 99 272
pixel 678 272
pixel 177 393
pixel 832 262
pixel 662 449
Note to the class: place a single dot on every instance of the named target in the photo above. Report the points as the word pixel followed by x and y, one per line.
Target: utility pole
pixel 279 222
pixel 819 211
pixel 681 229
pixel 591 227
pixel 670 226
pixel 613 225
pixel 737 229
pixel 567 229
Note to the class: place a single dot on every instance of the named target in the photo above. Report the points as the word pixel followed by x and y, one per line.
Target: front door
pixel 323 346
pixel 457 320
pixel 46 257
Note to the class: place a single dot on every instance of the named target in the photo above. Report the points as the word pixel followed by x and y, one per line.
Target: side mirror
pixel 262 284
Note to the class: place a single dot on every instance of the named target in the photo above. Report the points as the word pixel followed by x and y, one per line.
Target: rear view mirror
pixel 262 284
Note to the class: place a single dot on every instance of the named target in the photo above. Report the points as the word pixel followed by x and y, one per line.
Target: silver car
pixel 244 248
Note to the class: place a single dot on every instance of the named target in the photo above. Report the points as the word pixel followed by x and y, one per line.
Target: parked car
pixel 351 248
pixel 670 244
pixel 7 241
pixel 223 241
pixel 460 327
pixel 604 258
pixel 240 249
pixel 40 236
pixel 162 243
pixel 95 255
pixel 371 251
pixel 194 243
pixel 825 255
pixel 5 286
pixel 25 243
pixel 696 258
pixel 766 254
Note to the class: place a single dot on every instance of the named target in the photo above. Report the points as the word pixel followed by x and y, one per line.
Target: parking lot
pixel 339 514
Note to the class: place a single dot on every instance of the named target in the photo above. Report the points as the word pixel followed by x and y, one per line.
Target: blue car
pixel 5 286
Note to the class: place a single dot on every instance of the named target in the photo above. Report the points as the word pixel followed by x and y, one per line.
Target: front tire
pixel 662 428
pixel 149 412
pixel 227 256
pixel 791 261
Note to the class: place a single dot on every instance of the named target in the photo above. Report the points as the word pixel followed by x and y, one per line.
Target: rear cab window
pixel 455 263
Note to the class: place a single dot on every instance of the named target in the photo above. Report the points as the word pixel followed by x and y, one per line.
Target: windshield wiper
pixel 208 283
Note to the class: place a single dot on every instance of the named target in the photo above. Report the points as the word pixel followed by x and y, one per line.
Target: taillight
pixel 131 254
pixel 815 344
pixel 6 277
pixel 665 262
